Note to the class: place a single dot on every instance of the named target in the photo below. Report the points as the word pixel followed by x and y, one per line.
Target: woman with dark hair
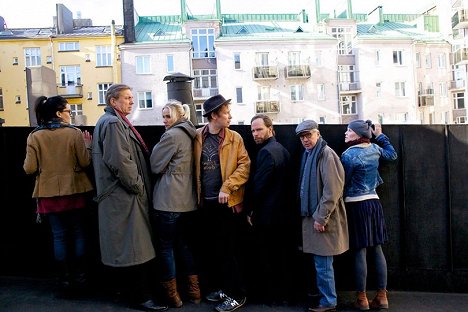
pixel 56 153
pixel 174 201
pixel 366 222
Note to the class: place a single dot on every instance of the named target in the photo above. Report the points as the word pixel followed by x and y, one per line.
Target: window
pixel 428 60
pixel 76 109
pixel 239 98
pixel 263 93
pixel 103 56
pixel 443 89
pixel 294 58
pixel 348 104
pixel 321 92
pixel 205 83
pixel 102 89
pixel 69 46
pixel 461 120
pixel 199 113
pixel 170 63
pixel 442 60
pixel 32 57
pixel 418 59
pixel 203 43
pixel 145 100
pixel 344 36
pixel 459 100
pixel 143 64
pixel 237 61
pixel 261 58
pixel 318 58
pixel 18 99
pixel 70 75
pixel 378 86
pixel 400 89
pixel 15 61
pixel 1 99
pixel 398 57
pixel 378 57
pixel 49 59
pixel 297 93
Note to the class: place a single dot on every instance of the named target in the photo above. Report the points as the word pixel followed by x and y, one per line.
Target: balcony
pixel 267 106
pixel 349 87
pixel 460 56
pixel 297 71
pixel 70 91
pixel 426 92
pixel 457 84
pixel 204 93
pixel 265 72
pixel 460 19
pixel 346 59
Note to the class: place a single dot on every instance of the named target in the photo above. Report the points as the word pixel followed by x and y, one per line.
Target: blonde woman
pixel 174 200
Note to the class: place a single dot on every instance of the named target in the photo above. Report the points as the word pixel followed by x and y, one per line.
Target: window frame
pixel 68 46
pixel 34 59
pixel 296 93
pixel 203 37
pixel 145 100
pixel 141 62
pixel 399 91
pixel 67 72
pixel 103 58
pixel 170 68
pixel 102 92
pixel 352 103
pixel 457 99
pixel 398 57
pixel 237 60
pixel 239 95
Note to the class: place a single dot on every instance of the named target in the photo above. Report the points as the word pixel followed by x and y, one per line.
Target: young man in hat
pixel 324 225
pixel 222 168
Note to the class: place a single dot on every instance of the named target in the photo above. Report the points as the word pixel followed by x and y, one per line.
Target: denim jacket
pixel 361 163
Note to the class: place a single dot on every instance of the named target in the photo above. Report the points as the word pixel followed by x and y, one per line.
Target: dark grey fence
pixel 425 199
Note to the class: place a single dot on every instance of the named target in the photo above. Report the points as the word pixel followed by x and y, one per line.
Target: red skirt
pixel 61 203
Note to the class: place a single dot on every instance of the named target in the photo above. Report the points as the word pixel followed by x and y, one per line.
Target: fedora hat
pixel 213 103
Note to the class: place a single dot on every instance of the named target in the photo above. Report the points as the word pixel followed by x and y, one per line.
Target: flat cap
pixel 306 125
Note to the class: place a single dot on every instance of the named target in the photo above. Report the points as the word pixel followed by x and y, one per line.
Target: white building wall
pixel 291 111
pixel 154 81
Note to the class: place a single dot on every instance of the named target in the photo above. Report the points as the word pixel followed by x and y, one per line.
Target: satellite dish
pixel 2 24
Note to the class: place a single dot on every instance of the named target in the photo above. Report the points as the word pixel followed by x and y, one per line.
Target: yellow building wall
pixel 13 77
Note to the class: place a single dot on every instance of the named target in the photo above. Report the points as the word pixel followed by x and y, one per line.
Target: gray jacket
pixel 172 161
pixel 123 185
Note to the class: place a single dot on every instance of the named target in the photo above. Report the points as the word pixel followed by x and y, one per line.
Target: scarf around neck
pixel 135 132
pixel 309 190
pixel 53 124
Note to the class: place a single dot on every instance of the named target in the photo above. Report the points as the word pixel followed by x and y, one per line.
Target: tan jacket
pixel 234 162
pixel 57 157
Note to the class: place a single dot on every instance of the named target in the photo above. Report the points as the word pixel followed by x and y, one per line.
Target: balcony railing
pixel 460 19
pixel 204 92
pixel 460 56
pixel 457 84
pixel 425 101
pixel 265 72
pixel 267 106
pixel 426 92
pixel 350 86
pixel 71 91
pixel 297 71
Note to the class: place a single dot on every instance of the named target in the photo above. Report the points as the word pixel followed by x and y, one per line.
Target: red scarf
pixel 358 141
pixel 140 139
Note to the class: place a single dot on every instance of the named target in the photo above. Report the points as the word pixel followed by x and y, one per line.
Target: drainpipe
pixel 183 11
pixel 304 17
pixel 317 11
pixel 350 9
pixel 218 10
pixel 114 54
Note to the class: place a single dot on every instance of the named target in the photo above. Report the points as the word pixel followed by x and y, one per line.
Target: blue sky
pixel 39 13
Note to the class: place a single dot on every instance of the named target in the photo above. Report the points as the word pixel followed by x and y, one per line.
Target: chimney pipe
pixel 350 9
pixel 183 11
pixel 381 20
pixel 129 23
pixel 218 10
pixel 317 11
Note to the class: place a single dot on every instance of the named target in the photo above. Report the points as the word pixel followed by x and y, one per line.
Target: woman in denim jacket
pixel 366 221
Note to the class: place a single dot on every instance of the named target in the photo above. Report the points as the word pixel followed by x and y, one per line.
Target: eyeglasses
pixel 307 136
pixel 67 111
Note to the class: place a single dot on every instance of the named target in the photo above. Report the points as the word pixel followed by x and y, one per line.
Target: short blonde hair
pixel 177 110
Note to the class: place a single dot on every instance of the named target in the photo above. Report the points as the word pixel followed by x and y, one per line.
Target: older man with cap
pixel 222 167
pixel 324 226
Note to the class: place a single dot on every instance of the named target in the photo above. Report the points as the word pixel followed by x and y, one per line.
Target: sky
pixel 39 13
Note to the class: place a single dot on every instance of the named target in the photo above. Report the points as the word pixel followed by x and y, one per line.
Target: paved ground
pixel 37 295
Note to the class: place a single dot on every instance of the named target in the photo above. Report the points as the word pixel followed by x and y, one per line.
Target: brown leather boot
pixel 171 293
pixel 361 302
pixel 380 300
pixel 193 289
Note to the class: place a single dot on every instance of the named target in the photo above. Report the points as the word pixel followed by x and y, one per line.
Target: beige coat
pixel 234 162
pixel 330 211
pixel 57 157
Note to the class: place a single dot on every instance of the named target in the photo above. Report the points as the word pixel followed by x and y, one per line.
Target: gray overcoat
pixel 172 161
pixel 123 192
pixel 331 210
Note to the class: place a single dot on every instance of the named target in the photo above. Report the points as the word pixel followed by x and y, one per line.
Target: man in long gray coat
pixel 324 225
pixel 123 194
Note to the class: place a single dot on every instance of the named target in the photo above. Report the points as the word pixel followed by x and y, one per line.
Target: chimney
pixel 183 11
pixel 381 20
pixel 218 10
pixel 129 23
pixel 350 9
pixel 317 11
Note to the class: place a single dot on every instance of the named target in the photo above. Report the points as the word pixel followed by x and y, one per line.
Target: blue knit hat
pixel 361 128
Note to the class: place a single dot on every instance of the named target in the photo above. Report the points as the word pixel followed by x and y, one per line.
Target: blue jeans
pixel 171 241
pixel 68 230
pixel 326 280
pixel 360 267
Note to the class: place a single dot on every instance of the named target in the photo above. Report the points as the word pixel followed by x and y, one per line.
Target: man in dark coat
pixel 268 209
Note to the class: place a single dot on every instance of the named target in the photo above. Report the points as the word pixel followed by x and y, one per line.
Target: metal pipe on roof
pixel 317 11
pixel 183 11
pixel 350 9
pixel 218 10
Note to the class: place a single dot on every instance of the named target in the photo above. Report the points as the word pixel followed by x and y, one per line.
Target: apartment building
pixel 73 59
